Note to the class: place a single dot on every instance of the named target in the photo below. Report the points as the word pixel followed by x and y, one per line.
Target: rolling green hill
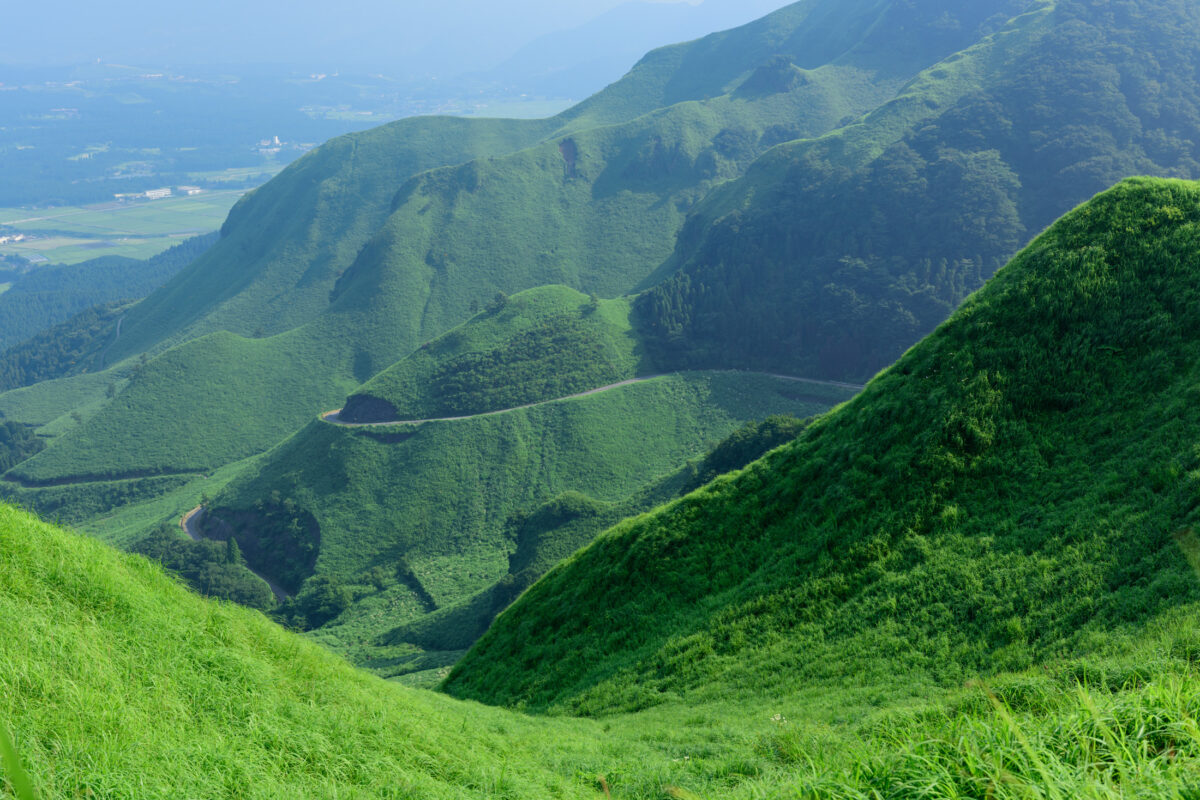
pixel 412 519
pixel 1017 492
pixel 540 344
pixel 379 242
pixel 1018 488
pixel 832 256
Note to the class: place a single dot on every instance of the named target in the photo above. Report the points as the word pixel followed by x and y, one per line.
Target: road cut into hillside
pixel 333 417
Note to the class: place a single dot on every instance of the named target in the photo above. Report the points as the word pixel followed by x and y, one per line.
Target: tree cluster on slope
pixel 215 569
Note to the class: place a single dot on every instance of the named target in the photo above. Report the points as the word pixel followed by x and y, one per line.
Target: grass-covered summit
pixel 538 345
pixel 1015 489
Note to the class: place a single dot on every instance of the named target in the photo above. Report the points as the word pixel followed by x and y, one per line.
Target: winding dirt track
pixel 333 417
pixel 190 522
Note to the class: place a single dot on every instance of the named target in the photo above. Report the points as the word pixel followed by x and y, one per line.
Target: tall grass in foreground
pixel 1037 742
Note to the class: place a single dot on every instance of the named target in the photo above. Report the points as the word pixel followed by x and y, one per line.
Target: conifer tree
pixel 233 553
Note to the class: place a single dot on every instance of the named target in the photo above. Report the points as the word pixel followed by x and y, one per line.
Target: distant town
pixel 158 194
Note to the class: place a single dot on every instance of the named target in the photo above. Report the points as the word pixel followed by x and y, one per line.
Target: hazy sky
pixel 442 37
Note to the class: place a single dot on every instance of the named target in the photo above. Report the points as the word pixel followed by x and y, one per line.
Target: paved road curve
pixel 334 417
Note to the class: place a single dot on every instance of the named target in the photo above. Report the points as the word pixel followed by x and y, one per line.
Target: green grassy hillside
pixel 1015 489
pixel 379 242
pixel 553 531
pixel 413 519
pixel 169 417
pixel 285 243
pixel 119 683
pixel 831 257
pixel 538 345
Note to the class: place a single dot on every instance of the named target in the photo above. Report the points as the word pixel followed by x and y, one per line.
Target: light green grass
pixel 119 683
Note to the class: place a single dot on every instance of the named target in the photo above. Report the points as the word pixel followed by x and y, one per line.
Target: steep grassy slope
pixel 541 344
pixel 1014 489
pixel 830 257
pixel 417 518
pixel 554 530
pixel 285 244
pixel 118 683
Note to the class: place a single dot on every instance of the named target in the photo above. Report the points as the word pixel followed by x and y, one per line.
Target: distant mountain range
pixel 583 60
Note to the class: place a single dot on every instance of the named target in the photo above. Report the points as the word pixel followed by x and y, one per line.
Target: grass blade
pixel 16 774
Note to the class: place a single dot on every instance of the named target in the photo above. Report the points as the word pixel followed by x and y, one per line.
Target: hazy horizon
pixel 405 39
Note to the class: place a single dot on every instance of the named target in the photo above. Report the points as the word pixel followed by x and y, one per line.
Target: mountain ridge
pixel 1071 366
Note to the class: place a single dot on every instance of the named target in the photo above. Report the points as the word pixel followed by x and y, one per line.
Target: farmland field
pixel 141 229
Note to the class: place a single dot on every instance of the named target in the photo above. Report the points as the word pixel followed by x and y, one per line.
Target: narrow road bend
pixel 191 526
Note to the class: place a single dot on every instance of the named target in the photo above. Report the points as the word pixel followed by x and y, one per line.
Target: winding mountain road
pixel 190 522
pixel 333 417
